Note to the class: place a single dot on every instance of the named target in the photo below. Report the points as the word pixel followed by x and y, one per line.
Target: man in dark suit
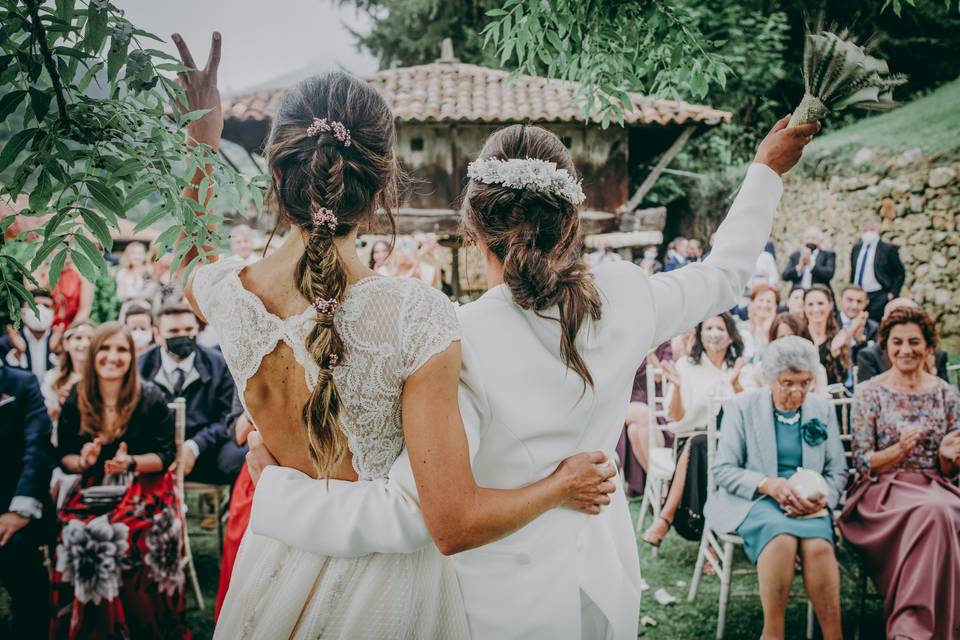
pixel 852 314
pixel 26 510
pixel 180 367
pixel 810 265
pixel 875 265
pixel 31 348
pixel 872 361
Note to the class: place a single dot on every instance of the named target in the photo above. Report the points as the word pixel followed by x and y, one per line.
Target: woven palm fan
pixel 837 73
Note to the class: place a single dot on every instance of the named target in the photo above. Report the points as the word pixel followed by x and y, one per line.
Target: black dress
pixel 151 430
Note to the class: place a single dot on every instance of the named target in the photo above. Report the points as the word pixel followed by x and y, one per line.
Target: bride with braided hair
pixel 339 369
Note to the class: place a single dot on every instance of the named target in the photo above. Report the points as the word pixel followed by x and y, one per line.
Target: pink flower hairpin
pixel 324 217
pixel 325 306
pixel 332 360
pixel 340 132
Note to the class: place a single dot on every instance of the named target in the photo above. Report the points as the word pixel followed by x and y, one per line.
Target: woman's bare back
pixel 389 327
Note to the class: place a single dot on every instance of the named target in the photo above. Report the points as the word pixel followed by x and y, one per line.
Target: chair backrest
pixel 656 405
pixel 179 408
pixel 953 373
pixel 713 435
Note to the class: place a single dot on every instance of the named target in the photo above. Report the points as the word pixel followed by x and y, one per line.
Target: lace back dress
pixel 389 329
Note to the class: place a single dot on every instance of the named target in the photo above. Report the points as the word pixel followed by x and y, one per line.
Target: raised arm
pixel 200 87
pixel 686 296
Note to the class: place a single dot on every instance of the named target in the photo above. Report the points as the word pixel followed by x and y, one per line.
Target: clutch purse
pixel 809 485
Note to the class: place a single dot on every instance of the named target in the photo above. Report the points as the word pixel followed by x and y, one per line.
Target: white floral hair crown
pixel 529 173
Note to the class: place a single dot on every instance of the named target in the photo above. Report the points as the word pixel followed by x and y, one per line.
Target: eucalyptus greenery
pixel 102 137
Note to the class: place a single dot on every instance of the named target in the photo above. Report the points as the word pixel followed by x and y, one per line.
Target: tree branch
pixel 41 36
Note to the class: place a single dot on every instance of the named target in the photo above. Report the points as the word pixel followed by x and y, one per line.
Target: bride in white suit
pixel 549 353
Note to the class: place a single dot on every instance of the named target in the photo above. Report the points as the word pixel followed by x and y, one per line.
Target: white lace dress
pixel 390 328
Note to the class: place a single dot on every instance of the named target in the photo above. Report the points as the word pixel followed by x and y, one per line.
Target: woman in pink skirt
pixel 903 514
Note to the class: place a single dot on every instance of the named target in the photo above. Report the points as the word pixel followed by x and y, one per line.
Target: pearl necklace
pixel 794 419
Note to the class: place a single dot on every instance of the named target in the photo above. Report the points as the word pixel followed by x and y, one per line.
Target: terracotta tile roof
pixel 457 92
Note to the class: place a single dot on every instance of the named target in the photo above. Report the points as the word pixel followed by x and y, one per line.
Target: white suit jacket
pixel 524 412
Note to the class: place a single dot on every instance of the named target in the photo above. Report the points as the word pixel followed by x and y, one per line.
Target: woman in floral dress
pixel 903 515
pixel 119 565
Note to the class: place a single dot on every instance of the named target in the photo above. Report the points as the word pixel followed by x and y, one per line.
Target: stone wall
pixel 918 201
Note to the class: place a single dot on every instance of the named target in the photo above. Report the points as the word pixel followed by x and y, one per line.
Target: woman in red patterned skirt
pixel 119 560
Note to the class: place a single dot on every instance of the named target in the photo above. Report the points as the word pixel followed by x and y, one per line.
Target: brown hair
pixel 832 327
pixel 321 171
pixel 535 236
pixel 763 287
pixel 66 362
pixel 89 400
pixel 909 315
pixel 797 325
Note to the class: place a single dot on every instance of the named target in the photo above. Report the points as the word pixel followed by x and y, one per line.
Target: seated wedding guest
pixel 766 435
pixel 33 347
pixel 119 565
pixel 872 360
pixel 795 302
pixel 761 310
pixel 855 320
pixel 711 372
pixel 633 447
pixel 134 276
pixel 694 250
pixel 903 515
pixel 139 320
pixel 766 267
pixel 181 367
pixel 26 511
pixel 241 243
pixel 810 265
pixel 785 324
pixel 832 342
pixel 648 261
pixel 378 255
pixel 58 382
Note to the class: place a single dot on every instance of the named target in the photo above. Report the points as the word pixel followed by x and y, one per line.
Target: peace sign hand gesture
pixel 200 86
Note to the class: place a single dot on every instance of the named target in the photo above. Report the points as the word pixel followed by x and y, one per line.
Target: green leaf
pixel 57 266
pixel 105 197
pixel 88 76
pixel 50 243
pixel 40 102
pixel 117 56
pixel 95 32
pixel 496 13
pixel 40 195
pixel 168 236
pixel 153 216
pixel 138 193
pixel 88 269
pixel 88 248
pixel 9 103
pixel 99 228
pixel 65 10
pixel 14 146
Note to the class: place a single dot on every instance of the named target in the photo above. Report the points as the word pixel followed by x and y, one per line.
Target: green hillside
pixel 931 123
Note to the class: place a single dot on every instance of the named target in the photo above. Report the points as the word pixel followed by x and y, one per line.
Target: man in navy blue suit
pixel 180 367
pixel 876 267
pixel 26 510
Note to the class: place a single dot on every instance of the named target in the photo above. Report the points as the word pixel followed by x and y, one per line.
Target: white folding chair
pixel 953 373
pixel 718 548
pixel 179 408
pixel 661 461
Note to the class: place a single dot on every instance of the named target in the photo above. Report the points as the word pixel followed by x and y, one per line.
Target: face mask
pixel 181 346
pixel 650 255
pixel 715 340
pixel 40 322
pixel 869 237
pixel 812 246
pixel 142 337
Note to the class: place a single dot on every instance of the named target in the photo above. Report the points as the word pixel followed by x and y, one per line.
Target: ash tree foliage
pixel 97 133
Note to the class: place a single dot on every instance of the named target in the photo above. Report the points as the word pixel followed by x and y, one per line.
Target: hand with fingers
pixel 121 461
pixel 90 453
pixel 950 448
pixel 785 495
pixel 10 523
pixel 586 478
pixel 782 148
pixel 200 85
pixel 909 439
pixel 258 457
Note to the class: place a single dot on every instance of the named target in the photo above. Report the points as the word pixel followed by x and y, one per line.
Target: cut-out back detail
pixel 389 327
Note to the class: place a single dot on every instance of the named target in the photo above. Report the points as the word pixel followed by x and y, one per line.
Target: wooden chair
pixel 661 461
pixel 718 548
pixel 179 408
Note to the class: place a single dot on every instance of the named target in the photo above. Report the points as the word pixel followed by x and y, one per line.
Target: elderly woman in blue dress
pixel 766 435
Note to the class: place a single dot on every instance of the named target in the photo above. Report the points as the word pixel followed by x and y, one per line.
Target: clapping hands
pixel 90 453
pixel 120 463
pixel 950 448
